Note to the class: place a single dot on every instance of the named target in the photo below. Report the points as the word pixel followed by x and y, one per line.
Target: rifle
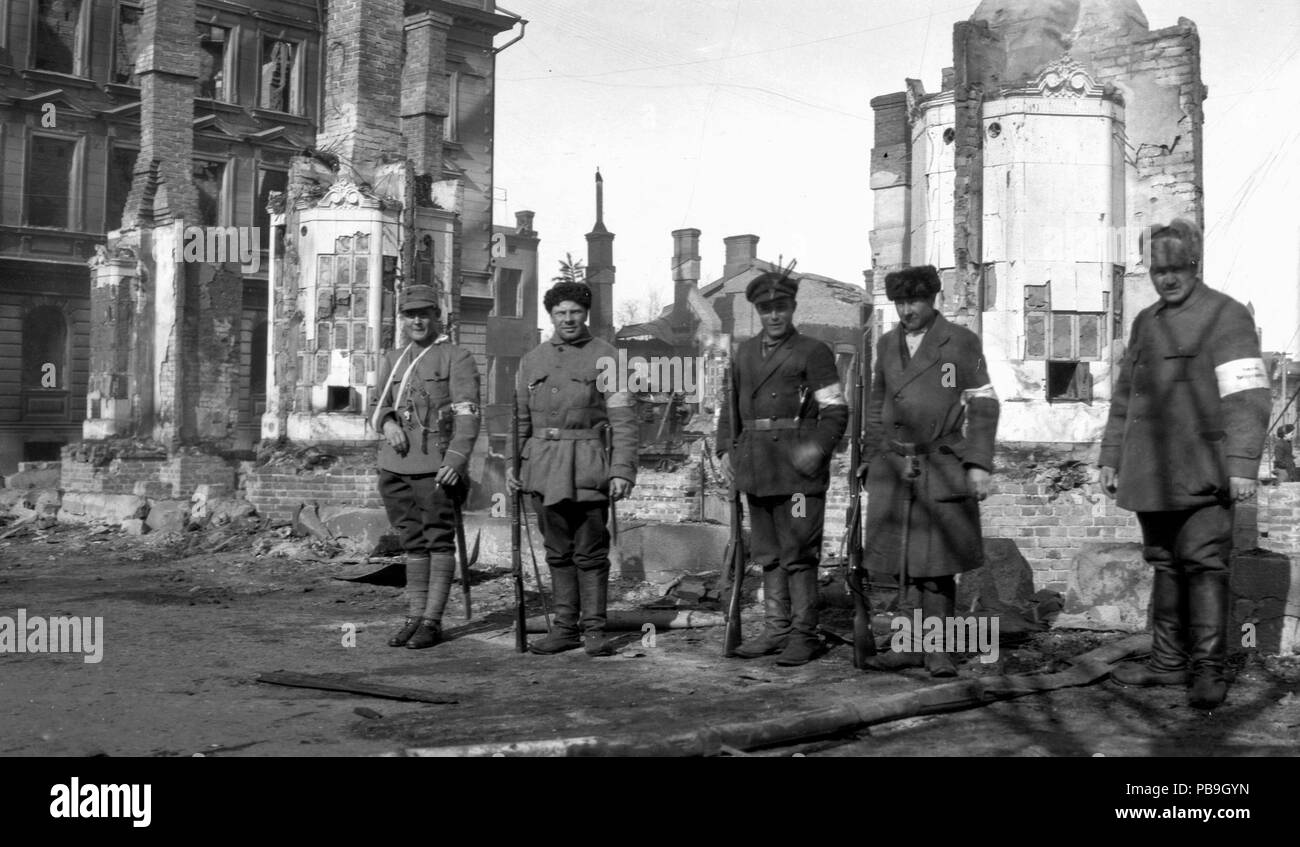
pixel 864 640
pixel 734 558
pixel 457 494
pixel 516 522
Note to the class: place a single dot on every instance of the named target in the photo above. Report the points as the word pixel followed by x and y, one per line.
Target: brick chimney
pixel 425 91
pixel 524 222
pixel 361 102
pixel 686 276
pixel 168 65
pixel 742 251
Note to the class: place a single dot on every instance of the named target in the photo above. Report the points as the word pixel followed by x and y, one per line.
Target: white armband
pixel 831 395
pixel 1241 375
pixel 985 391
pixel 618 400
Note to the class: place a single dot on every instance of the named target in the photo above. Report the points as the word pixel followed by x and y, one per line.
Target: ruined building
pixel 1060 131
pixel 267 180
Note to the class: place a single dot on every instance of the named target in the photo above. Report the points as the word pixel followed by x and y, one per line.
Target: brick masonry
pixel 1279 518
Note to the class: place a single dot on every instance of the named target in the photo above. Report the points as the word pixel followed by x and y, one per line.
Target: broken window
pixel 279 81
pixel 508 292
pixel 45 349
pixel 1069 382
pixel 51 184
pixel 126 44
pixel 121 165
pixel 60 36
pixel 267 182
pixel 450 127
pixel 212 61
pixel 208 180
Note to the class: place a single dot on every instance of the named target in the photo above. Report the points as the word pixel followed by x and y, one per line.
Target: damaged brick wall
pixel 213 372
pixel 1279 518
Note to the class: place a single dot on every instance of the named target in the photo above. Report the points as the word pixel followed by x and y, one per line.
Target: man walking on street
pixel 792 414
pixel 927 448
pixel 428 415
pixel 1188 417
pixel 565 416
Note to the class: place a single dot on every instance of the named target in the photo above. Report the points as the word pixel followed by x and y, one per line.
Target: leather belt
pixel 552 433
pixel 762 424
pixel 939 445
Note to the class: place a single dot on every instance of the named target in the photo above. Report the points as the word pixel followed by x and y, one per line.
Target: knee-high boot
pixel 1167 664
pixel 1207 638
pixel 593 588
pixel 564 602
pixel 776 616
pixel 803 645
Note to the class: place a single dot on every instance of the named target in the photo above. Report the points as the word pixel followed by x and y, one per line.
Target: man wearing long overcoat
pixel 928 447
pixel 792 414
pixel 1188 417
pixel 578 440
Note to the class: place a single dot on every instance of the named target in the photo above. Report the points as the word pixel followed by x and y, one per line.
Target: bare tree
pixel 641 310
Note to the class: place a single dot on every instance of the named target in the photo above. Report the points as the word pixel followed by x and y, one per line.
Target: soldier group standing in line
pixel 1183 444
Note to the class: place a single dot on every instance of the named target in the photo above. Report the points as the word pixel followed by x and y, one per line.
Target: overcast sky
pixel 753 116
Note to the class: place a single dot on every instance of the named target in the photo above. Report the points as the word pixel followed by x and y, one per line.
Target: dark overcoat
pixel 938 403
pixel 1190 408
pixel 567 408
pixel 796 392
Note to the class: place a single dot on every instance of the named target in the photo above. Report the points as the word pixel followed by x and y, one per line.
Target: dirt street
pixel 186 632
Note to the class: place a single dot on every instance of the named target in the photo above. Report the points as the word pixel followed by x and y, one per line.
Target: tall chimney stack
pixel 600 269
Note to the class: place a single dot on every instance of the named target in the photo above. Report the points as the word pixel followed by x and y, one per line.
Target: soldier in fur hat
pixel 928 448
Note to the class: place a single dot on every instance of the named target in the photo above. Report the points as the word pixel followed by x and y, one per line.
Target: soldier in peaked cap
pixel 428 415
pixel 792 414
pixel 928 447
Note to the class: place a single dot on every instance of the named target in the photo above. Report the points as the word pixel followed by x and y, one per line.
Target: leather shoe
pixel 427 634
pixel 403 635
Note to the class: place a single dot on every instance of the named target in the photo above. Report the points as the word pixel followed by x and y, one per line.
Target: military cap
pixel 770 286
pixel 921 281
pixel 419 297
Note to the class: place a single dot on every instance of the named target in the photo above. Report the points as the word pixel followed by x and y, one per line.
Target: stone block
pixel 224 510
pixel 1109 586
pixel 82 507
pixel 1265 590
pixel 133 526
pixel 167 515
pixel 363 527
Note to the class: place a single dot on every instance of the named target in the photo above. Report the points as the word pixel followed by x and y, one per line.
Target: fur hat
pixel 577 292
pixel 920 281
